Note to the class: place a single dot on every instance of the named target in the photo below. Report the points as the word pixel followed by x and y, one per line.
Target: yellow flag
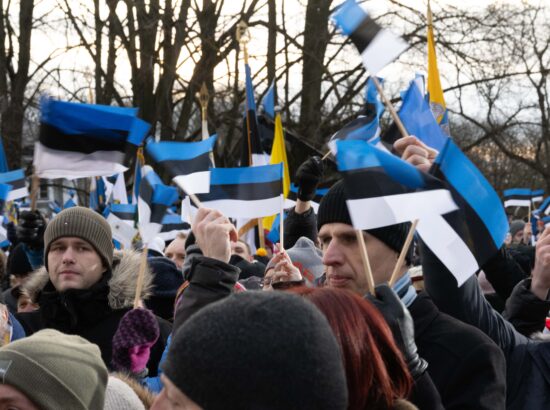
pixel 437 101
pixel 278 154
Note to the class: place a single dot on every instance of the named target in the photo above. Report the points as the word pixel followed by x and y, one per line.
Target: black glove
pixel 307 178
pixel 401 324
pixel 11 233
pixel 30 229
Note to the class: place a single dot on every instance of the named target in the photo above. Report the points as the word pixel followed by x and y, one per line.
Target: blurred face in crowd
pixel 342 257
pixel 11 398
pixel 240 248
pixel 518 237
pixel 172 398
pixel 25 304
pixel 176 252
pixel 73 263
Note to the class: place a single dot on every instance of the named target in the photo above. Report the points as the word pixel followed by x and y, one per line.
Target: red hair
pixel 376 372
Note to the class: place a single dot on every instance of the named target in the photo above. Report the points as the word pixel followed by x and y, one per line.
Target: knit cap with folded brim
pixel 81 223
pixel 333 208
pixel 120 396
pixel 258 350
pixel 55 371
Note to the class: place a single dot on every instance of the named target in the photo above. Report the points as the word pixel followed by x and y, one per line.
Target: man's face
pixel 11 398
pixel 25 304
pixel 74 264
pixel 176 252
pixel 518 236
pixel 172 398
pixel 240 248
pixel 342 257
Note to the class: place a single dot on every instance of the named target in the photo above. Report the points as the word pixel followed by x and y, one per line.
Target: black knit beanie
pixel 333 208
pixel 258 350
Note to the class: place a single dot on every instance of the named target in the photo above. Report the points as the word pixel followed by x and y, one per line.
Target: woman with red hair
pixel 376 372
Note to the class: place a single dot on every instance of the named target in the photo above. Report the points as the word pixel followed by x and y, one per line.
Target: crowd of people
pixel 221 327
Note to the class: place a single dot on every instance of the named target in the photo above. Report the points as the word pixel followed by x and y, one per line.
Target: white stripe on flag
pixel 371 213
pixel 289 203
pixel 51 163
pixel 451 250
pixel 195 183
pixel 537 199
pixel 122 231
pixel 517 202
pixel 234 208
pixel 119 190
pixel 17 193
pixel 382 50
pixel 260 159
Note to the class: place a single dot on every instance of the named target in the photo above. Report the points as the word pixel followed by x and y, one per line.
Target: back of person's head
pixel 120 395
pixel 166 281
pixel 375 370
pixel 55 371
pixel 258 350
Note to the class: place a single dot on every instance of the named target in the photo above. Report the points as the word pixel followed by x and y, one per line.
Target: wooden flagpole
pixel 403 252
pixel 366 263
pixel 35 187
pixel 141 277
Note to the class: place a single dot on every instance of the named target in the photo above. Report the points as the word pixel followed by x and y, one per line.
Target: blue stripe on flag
pixel 470 183
pixel 268 102
pixel 538 192
pixel 246 175
pixel 250 103
pixel 359 155
pixel 4 191
pixel 172 150
pixel 349 16
pixel 544 205
pixel 164 195
pixel 10 176
pixel 527 193
pixel 124 208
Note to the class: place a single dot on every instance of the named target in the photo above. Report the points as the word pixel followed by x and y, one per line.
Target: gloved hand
pixel 401 324
pixel 137 332
pixel 30 229
pixel 11 233
pixel 307 178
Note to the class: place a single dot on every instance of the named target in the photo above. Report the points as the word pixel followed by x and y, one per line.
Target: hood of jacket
pixel 122 284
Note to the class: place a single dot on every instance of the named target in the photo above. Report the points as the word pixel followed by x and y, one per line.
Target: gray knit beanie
pixel 516 226
pixel 120 396
pixel 333 208
pixel 81 223
pixel 55 371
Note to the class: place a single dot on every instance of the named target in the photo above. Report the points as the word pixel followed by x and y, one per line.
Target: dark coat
pixel 298 225
pixel 525 310
pixel 467 368
pixel 527 361
pixel 92 313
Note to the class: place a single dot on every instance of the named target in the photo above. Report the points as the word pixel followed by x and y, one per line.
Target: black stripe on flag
pixel 17 184
pixel 364 34
pixel 370 183
pixel 53 138
pixel 175 227
pixel 125 216
pixel 243 192
pixel 186 166
pixel 520 197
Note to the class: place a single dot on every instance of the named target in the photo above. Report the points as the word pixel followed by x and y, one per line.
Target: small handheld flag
pixel 517 197
pixel 16 179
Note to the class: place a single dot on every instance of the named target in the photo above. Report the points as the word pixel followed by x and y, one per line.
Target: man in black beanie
pixel 254 350
pixel 467 368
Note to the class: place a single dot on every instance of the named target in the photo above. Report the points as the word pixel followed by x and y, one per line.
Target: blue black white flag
pixel 290 200
pixel 154 199
pixel 123 231
pixel 517 197
pixel 4 195
pixel 246 192
pixel 377 46
pixel 544 208
pixel 83 140
pixel 125 212
pixel 383 190
pixel 537 195
pixel 171 226
pixel 268 102
pixel 466 239
pixel 17 181
pixel 187 163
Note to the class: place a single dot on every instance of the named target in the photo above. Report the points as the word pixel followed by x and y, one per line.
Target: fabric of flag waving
pixel 246 192
pixel 464 240
pixel 125 212
pixel 383 190
pixel 290 200
pixel 544 208
pixel 186 163
pixel 537 195
pixel 81 140
pixel 172 225
pixel 4 195
pixel 517 197
pixel 123 230
pixel 154 199
pixel 418 119
pixel 18 184
pixel 377 46
pixel 252 152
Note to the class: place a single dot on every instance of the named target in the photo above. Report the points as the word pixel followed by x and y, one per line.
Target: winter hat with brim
pixel 516 226
pixel 259 350
pixel 81 223
pixel 55 371
pixel 333 209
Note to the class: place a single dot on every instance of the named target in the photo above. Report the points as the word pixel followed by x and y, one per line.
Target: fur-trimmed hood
pixel 122 283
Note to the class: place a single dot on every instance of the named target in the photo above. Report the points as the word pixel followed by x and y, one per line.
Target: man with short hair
pixel 78 297
pixel 175 251
pixel 242 249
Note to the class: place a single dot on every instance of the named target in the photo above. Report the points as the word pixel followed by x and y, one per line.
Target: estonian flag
pixel 544 208
pixel 187 163
pixel 383 190
pixel 292 197
pixel 171 226
pixel 123 231
pixel 537 195
pixel 125 212
pixel 4 195
pixel 517 197
pixel 268 102
pixel 154 199
pixel 466 239
pixel 377 46
pixel 16 179
pixel 246 192
pixel 83 140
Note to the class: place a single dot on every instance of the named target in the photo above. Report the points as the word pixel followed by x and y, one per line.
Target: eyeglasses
pixel 282 284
